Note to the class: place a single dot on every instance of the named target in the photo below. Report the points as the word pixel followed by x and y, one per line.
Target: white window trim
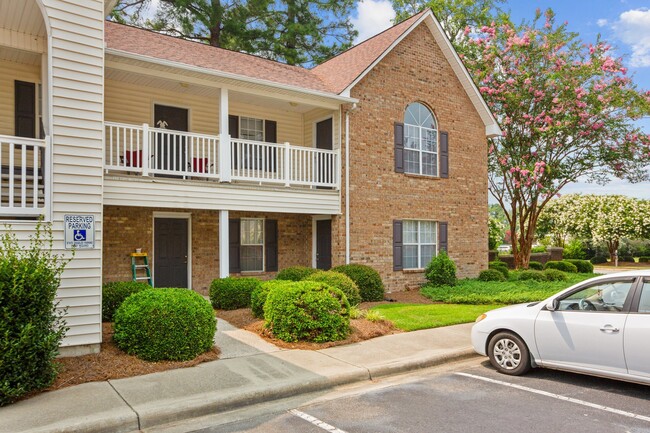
pixel 263 244
pixel 419 244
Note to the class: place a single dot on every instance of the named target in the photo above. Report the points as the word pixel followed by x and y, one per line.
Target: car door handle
pixel 610 329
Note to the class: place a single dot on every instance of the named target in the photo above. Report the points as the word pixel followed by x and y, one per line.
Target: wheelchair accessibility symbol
pixel 80 235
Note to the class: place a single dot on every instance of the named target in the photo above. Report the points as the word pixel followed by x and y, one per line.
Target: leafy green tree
pixel 292 31
pixel 566 108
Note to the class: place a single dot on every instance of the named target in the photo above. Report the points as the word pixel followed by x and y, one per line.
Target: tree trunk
pixel 612 246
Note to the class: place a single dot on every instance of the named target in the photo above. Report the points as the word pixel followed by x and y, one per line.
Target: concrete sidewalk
pixel 254 372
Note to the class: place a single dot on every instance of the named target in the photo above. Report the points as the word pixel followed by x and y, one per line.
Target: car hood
pixel 514 310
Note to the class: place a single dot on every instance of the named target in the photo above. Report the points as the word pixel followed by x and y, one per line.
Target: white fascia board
pixel 228 75
pixel 492 130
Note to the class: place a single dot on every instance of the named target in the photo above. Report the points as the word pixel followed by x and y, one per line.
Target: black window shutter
pixel 234 245
pixel 442 236
pixel 271 245
pixel 25 109
pixel 398 263
pixel 399 147
pixel 444 154
pixel 270 136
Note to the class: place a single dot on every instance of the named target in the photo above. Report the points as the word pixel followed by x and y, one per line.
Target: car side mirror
pixel 553 305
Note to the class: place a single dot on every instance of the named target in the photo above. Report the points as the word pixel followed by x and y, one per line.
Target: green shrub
pixel 441 270
pixel 561 266
pixel 501 267
pixel 31 328
pixel 536 266
pixel 367 280
pixel 538 249
pixel 374 316
pixel 341 282
pixel 574 250
pixel 555 275
pixel 295 273
pixel 231 293
pixel 598 260
pixel 260 293
pixel 114 293
pixel 491 275
pixel 307 310
pixel 584 266
pixel 165 324
pixel 644 259
pixel 629 259
pixel 531 275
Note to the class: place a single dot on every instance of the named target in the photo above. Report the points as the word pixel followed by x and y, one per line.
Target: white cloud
pixel 633 29
pixel 372 17
pixel 602 22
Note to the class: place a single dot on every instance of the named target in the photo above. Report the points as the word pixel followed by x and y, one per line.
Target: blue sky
pixel 623 23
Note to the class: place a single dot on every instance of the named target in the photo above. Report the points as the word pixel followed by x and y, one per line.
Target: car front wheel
pixel 509 354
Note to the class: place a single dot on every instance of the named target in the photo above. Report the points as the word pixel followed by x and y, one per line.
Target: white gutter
pixel 347 182
pixel 228 75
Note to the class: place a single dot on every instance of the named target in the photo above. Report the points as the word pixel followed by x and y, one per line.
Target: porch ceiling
pixel 189 85
pixel 19 56
pixel 22 16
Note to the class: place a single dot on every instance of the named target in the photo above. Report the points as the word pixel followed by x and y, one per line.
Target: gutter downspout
pixel 347 182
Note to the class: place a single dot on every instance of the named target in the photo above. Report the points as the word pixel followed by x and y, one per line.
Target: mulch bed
pixel 112 363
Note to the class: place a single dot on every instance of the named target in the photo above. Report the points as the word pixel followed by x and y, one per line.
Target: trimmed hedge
pixel 341 282
pixel 627 259
pixel 295 273
pixel 113 294
pixel 307 311
pixel 536 266
pixel 31 327
pixel 231 293
pixel 491 275
pixel 644 259
pixel 561 266
pixel 260 293
pixel 367 280
pixel 555 275
pixel 165 324
pixel 584 266
pixel 598 260
pixel 532 275
pixel 501 267
pixel 441 270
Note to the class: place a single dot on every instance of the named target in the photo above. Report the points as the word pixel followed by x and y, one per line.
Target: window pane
pixel 427 252
pixel 252 232
pixel 410 115
pixel 644 303
pixel 410 257
pixel 412 161
pixel 410 232
pixel 251 258
pixel 427 232
pixel 608 296
pixel 429 140
pixel 429 163
pixel 251 129
pixel 411 137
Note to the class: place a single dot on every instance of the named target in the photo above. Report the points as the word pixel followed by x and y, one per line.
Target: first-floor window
pixel 252 244
pixel 420 243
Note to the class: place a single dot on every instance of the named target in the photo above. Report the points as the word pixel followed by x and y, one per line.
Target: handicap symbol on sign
pixel 80 235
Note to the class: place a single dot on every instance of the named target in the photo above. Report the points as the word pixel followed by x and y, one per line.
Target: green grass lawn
pixel 411 317
pixel 472 291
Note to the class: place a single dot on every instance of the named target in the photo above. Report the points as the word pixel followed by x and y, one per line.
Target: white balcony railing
pixel 152 151
pixel 22 176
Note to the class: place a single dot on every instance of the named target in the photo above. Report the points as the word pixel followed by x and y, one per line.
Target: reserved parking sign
pixel 79 232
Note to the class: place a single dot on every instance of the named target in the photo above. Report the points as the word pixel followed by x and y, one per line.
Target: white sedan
pixel 600 327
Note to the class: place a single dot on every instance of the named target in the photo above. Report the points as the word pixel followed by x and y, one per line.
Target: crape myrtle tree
pixel 296 32
pixel 561 218
pixel 567 110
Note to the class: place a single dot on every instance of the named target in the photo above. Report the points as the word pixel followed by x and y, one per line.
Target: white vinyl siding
pixel 419 243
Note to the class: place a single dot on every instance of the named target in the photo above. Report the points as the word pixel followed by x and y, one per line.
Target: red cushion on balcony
pixel 133 158
pixel 200 165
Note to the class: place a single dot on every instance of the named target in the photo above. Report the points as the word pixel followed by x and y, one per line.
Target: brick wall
pixel 415 70
pixel 128 228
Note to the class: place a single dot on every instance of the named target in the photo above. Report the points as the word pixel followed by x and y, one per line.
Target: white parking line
pixel 558 396
pixel 315 421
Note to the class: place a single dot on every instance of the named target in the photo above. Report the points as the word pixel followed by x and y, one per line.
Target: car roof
pixel 632 273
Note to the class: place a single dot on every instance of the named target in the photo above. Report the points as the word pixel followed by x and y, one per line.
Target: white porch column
pixel 45 95
pixel 224 137
pixel 224 244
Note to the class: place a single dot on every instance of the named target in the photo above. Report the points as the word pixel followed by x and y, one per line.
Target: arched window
pixel 420 140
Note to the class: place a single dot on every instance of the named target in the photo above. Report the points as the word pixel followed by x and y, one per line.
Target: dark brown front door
pixel 324 244
pixel 170 148
pixel 170 252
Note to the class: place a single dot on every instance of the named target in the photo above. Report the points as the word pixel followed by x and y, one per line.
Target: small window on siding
pixel 419 243
pixel 420 140
pixel 251 129
pixel 252 244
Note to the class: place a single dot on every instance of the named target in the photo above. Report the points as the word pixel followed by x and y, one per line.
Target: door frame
pixel 315 218
pixel 174 105
pixel 313 130
pixel 173 215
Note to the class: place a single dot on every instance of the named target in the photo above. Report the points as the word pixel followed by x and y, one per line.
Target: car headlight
pixel 481 317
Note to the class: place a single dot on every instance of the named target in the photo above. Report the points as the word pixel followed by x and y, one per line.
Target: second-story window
pixel 420 140
pixel 251 129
